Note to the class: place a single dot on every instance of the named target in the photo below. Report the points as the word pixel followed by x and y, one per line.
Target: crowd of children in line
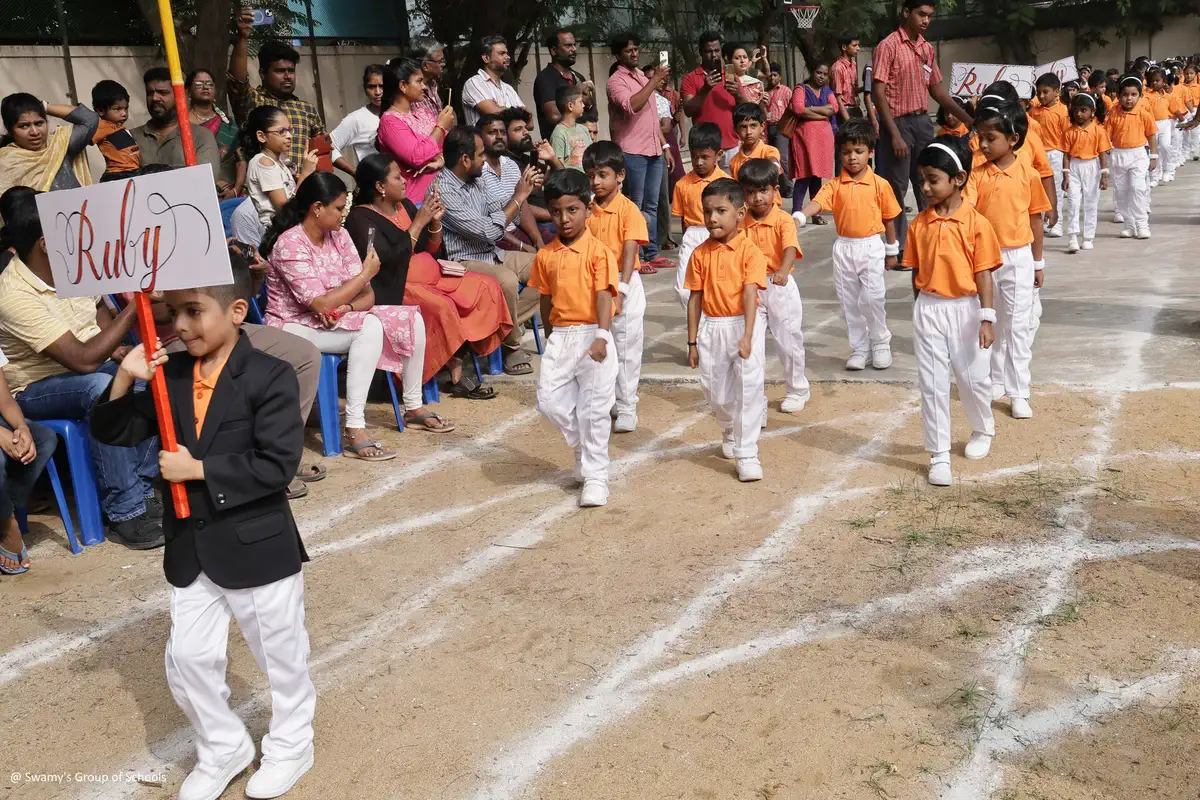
pixel 992 196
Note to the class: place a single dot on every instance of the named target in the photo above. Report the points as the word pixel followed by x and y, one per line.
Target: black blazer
pixel 241 532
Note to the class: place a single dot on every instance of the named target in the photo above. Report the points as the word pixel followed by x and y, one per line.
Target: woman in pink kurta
pixel 401 134
pixel 812 142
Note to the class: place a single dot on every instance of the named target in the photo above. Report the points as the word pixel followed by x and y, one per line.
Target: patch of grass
pixel 941 535
pixel 859 523
pixel 879 771
pixel 965 631
pixel 1067 613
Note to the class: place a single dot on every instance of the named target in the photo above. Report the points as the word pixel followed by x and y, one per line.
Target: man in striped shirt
pixel 905 74
pixel 474 221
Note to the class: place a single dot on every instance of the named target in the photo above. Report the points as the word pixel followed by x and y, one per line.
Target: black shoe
pixel 140 533
pixel 154 508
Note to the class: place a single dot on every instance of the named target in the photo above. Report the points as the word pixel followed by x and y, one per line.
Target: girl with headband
pixel 1086 169
pixel 952 250
pixel 1131 128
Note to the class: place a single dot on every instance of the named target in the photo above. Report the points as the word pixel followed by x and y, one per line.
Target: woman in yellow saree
pixel 34 156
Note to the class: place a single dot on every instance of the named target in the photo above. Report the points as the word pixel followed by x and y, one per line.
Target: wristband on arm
pixel 987 315
pixel 1038 266
pixel 891 248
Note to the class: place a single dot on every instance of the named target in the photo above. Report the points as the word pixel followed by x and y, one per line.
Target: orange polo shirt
pixel 202 391
pixel 1087 143
pixel 773 234
pixel 1159 103
pixel 1053 121
pixel 722 270
pixel 1176 103
pixel 572 275
pixel 958 129
pixel 617 223
pixel 1032 153
pixel 1130 129
pixel 761 150
pixel 685 200
pixel 946 252
pixel 859 205
pixel 1007 197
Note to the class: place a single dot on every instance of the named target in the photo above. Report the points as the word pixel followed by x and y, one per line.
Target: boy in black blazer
pixel 237 413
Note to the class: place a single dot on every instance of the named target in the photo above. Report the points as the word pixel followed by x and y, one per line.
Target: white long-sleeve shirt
pixel 358 131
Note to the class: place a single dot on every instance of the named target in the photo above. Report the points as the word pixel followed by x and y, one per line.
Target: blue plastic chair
pixel 254 313
pixel 330 411
pixel 537 325
pixel 64 510
pixel 74 433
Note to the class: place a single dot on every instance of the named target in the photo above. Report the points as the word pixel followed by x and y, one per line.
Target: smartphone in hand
pixel 263 17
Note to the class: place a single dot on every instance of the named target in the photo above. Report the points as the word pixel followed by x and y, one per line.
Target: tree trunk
pixel 208 47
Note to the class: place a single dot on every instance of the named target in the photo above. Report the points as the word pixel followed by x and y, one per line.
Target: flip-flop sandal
pixel 646 269
pixel 352 450
pixel 421 422
pixel 19 570
pixel 467 389
pixel 311 473
pixel 660 262
pixel 519 365
pixel 670 246
pixel 296 489
pixel 819 220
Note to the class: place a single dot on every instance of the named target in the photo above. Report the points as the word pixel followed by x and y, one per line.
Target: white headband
pixel 953 155
pixel 1129 78
pixel 993 97
pixel 1088 98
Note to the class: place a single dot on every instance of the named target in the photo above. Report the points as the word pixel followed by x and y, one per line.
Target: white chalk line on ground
pixel 606 701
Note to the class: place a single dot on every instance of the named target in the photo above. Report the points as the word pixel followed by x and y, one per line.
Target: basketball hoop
pixel 804 15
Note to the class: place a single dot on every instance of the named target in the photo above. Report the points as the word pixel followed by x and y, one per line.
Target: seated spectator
pixel 418 155
pixel 245 225
pixel 116 144
pixel 59 352
pixel 33 156
pixel 456 310
pixel 203 111
pixel 266 142
pixel 359 129
pixel 475 221
pixel 158 139
pixel 319 289
pixel 500 176
pixel 25 447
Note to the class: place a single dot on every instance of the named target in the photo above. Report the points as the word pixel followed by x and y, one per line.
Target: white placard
pixel 969 80
pixel 152 232
pixel 1064 68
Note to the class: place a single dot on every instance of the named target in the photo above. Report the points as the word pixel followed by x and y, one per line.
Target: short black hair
pixel 705 136
pixel 274 50
pixel 758 173
pixel 603 154
pixel 845 38
pixel 509 115
pixel 487 119
pixel 565 95
pixel 745 111
pixel 775 67
pixel 567 183
pixel 909 5
pixel 552 39
pixel 1112 73
pixel 107 94
pixel 373 69
pixel 938 158
pixel 727 188
pixel 621 40
pixel 1008 116
pixel 1096 79
pixel 156 75
pixel 710 36
pixel 856 130
pixel 459 142
pixel 488 42
pixel 242 287
pixel 22 225
pixel 1049 79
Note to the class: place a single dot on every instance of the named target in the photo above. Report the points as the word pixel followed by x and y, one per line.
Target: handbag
pixel 787 122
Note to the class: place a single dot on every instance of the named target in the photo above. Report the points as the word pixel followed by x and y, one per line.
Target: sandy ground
pixel 839 630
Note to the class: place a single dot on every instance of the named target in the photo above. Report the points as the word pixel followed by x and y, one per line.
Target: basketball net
pixel 804 15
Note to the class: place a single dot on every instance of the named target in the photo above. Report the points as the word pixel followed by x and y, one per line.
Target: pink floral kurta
pixel 301 272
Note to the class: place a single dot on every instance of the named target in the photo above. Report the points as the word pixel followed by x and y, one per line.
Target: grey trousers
pixel 917 132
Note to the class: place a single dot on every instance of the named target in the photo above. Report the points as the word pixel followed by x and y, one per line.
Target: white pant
pixel 628 331
pixel 858 267
pixel 1163 138
pixel 780 308
pixel 364 347
pixel 1191 138
pixel 576 393
pixel 1129 168
pixel 1083 196
pixel 693 237
pixel 271 619
pixel 1055 157
pixel 733 385
pixel 1013 299
pixel 1177 153
pixel 946 337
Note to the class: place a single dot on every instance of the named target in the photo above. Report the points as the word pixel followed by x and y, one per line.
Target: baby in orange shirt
pixel 724 276
pixel 952 249
pixel 577 277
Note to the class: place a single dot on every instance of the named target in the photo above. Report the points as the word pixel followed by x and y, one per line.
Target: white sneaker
pixel 1086 244
pixel 1153 184
pixel 208 783
pixel 978 446
pixel 275 778
pixel 626 422
pixel 1021 408
pixel 794 403
pixel 1056 232
pixel 1118 218
pixel 595 493
pixel 939 471
pixel 749 469
pixel 1126 233
pixel 881 356
pixel 1073 244
pixel 997 390
pixel 1143 233
pixel 578 465
pixel 727 445
pixel 857 361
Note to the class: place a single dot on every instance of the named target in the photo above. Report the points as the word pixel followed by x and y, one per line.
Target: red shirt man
pixel 705 98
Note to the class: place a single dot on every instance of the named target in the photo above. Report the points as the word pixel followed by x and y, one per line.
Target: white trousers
pixel 1083 197
pixel 946 336
pixel 1191 140
pixel 628 332
pixel 1129 170
pixel 271 619
pixel 1055 157
pixel 576 392
pixel 693 237
pixel 780 309
pixel 858 267
pixel 733 385
pixel 1012 352
pixel 1163 138
pixel 363 348
pixel 1177 151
